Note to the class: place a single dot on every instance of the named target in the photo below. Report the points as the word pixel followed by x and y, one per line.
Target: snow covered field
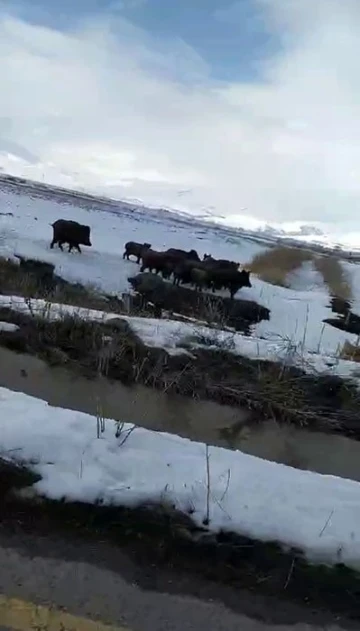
pixel 296 314
pixel 29 233
pixel 267 501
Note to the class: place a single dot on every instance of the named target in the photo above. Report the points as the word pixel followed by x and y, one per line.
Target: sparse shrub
pixel 213 313
pixel 334 276
pixel 350 351
pixel 274 265
pixel 213 372
pixel 73 335
pixel 213 339
pixel 14 280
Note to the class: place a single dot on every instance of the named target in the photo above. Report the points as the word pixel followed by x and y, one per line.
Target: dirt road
pixel 95 581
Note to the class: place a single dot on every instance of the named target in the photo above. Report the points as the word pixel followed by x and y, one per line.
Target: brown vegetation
pixel 275 264
pixel 179 301
pixel 334 276
pixel 270 389
pixel 14 281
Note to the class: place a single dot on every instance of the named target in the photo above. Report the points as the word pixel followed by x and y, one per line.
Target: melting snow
pixel 319 514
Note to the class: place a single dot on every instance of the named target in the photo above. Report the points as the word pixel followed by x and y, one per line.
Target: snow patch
pixel 306 278
pixel 8 327
pixel 264 500
pixel 178 337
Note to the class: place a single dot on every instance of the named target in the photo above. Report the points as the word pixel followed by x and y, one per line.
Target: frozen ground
pixel 297 314
pixel 306 278
pixel 352 271
pixel 29 233
pixel 178 337
pixel 253 497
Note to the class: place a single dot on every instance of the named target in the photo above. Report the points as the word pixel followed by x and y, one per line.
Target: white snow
pixel 8 327
pixel 306 278
pixel 297 316
pixel 352 271
pixel 29 233
pixel 264 500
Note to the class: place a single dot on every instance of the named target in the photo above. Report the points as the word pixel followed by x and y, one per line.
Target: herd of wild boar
pixel 187 268
pixel 183 267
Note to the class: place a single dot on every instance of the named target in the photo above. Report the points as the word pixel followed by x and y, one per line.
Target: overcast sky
pixel 249 105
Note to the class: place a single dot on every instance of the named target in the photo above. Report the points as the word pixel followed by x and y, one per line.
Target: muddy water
pixel 143 406
pixel 199 420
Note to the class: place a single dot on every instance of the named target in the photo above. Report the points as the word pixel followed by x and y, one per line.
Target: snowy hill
pixel 231 227
pixel 28 209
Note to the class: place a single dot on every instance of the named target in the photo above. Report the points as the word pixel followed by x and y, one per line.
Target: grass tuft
pixel 269 389
pixel 273 266
pixel 334 276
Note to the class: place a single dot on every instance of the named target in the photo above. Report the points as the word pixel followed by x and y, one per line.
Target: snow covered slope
pixel 29 232
pixel 296 314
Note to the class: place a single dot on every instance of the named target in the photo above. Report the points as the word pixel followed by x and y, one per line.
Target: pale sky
pixel 249 105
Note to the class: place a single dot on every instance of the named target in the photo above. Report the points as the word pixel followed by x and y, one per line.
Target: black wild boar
pixel 179 255
pixel 201 278
pixel 219 263
pixel 146 282
pixel 183 270
pixel 157 261
pixel 135 249
pixel 150 286
pixel 229 279
pixel 71 232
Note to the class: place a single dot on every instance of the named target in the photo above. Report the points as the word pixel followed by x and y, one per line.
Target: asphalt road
pixel 98 582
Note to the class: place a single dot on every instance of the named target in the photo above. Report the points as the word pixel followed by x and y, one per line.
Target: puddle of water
pixel 204 421
pixel 141 405
pixel 315 451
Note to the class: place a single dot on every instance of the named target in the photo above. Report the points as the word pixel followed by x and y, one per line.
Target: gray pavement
pixel 93 580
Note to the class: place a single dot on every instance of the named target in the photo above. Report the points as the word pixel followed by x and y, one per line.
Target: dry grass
pixel 334 276
pixel 180 303
pixel 350 351
pixel 15 281
pixel 274 265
